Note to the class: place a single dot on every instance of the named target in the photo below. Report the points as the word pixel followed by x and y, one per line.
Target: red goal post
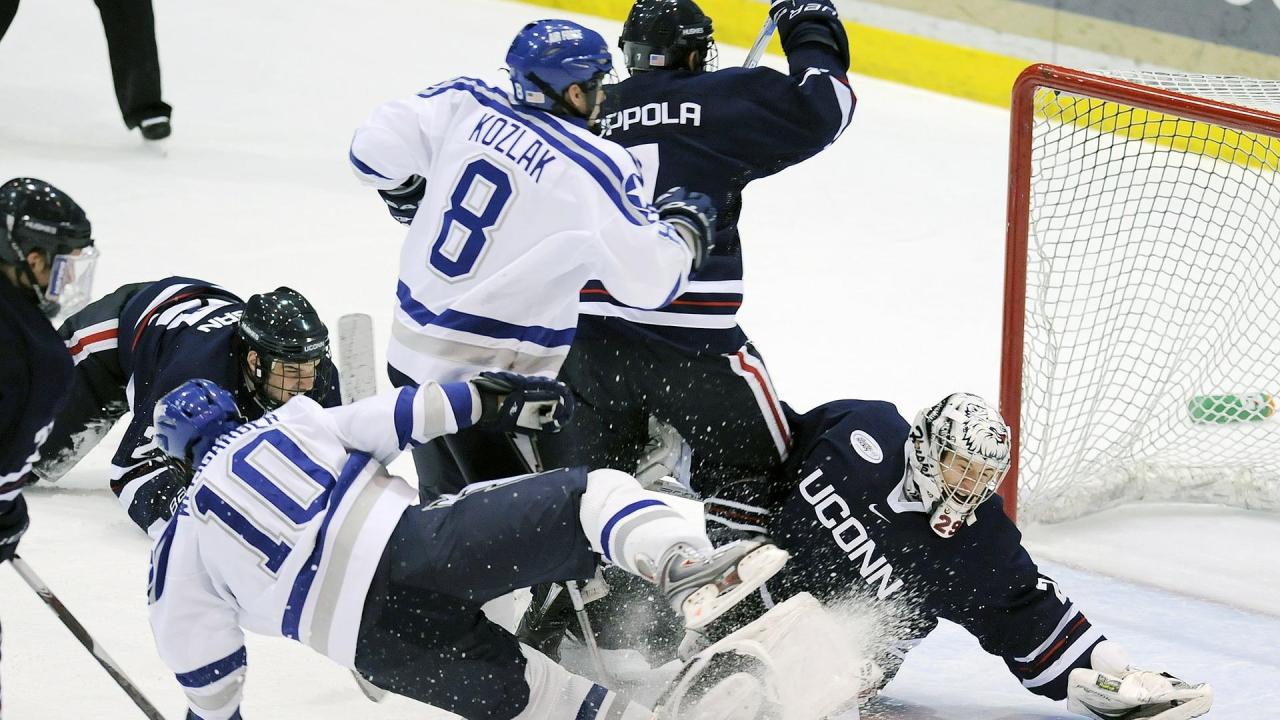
pixel 1098 117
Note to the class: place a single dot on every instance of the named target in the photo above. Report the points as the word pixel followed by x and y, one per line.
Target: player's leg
pixel 735 425
pixel 135 63
pixel 8 8
pixel 609 426
pixel 506 534
pixel 97 398
pixel 442 651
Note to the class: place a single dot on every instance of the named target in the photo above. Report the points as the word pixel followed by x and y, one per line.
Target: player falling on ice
pixel 513 203
pixel 144 339
pixel 293 527
pixel 902 520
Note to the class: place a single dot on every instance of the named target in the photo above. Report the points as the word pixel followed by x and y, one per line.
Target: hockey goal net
pixel 1141 354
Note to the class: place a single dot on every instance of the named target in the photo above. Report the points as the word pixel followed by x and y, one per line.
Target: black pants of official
pixel 451 462
pixel 620 376
pixel 423 635
pixel 97 398
pixel 130 26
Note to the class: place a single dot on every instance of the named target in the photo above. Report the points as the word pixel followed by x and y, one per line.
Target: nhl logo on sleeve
pixel 866 446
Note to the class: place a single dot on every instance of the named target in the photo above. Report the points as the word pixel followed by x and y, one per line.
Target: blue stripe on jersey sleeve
pixel 608 527
pixel 403 416
pixel 214 671
pixel 592 703
pixel 459 394
pixel 356 462
pixel 362 166
pixel 614 189
pixel 480 325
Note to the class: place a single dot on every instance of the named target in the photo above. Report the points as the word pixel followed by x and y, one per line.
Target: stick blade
pixel 356 357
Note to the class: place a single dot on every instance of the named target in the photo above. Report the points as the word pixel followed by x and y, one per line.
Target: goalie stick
pixel 356 376
pixel 29 576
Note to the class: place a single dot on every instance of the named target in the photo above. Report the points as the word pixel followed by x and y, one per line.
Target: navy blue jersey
pixel 35 374
pixel 714 133
pixel 856 532
pixel 149 338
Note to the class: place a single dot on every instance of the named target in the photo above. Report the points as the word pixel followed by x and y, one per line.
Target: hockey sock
pixel 633 527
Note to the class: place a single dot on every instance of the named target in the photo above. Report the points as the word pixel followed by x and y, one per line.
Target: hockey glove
pixel 693 215
pixel 516 403
pixel 1114 690
pixel 801 22
pixel 12 524
pixel 402 201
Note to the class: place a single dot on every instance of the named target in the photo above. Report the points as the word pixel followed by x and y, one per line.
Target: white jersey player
pixel 513 204
pixel 292 527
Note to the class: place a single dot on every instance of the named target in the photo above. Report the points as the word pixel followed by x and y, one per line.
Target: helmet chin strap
pixel 558 99
pixel 48 307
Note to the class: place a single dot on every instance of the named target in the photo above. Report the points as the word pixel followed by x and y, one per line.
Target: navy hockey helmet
pixel 190 418
pixel 290 345
pixel 548 56
pixel 38 217
pixel 662 34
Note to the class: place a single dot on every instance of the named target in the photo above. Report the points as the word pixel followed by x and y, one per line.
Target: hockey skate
pixel 702 589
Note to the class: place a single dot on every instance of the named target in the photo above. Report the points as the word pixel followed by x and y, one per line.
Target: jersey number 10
pixel 261 527
pixel 476 204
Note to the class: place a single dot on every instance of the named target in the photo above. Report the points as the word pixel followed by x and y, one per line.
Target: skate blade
pixel 708 603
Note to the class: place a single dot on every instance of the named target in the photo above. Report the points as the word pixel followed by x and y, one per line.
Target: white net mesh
pixel 1152 326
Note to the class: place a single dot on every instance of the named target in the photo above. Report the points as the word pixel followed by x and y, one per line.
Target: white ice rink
pixel 874 270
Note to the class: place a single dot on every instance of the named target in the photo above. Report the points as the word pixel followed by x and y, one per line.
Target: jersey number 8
pixel 477 204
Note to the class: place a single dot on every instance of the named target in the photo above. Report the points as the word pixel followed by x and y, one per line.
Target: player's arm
pixel 147 486
pixel 196 631
pixel 647 252
pixel 395 420
pixel 797 114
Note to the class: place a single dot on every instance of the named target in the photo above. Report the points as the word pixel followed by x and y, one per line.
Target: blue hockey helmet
pixel 548 56
pixel 191 417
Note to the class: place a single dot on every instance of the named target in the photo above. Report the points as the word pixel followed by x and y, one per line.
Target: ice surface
pixel 874 272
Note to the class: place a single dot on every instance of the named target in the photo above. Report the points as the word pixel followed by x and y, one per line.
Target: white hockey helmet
pixel 960 453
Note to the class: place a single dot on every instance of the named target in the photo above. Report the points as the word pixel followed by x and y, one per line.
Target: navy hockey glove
pixel 801 22
pixel 402 201
pixel 694 217
pixel 518 403
pixel 12 524
pixel 738 510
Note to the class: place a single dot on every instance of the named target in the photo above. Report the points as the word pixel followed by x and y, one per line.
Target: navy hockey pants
pixel 422 634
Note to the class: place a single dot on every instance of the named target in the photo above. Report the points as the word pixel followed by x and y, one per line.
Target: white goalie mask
pixel 960 452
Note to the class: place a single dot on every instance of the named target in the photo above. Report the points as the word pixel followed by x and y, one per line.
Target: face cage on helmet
pixel 287 385
pixel 979 479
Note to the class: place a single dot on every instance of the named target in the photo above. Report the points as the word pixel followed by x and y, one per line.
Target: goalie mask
pixel 284 349
pixel 960 451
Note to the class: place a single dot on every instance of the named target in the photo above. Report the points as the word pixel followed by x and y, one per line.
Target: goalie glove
pixel 402 201
pixel 693 216
pixel 1114 690
pixel 517 403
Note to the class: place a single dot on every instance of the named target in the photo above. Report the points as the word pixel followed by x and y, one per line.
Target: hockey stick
pixel 356 376
pixel 85 639
pixel 762 41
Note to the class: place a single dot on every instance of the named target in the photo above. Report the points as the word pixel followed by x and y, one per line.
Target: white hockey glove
pixel 1114 690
